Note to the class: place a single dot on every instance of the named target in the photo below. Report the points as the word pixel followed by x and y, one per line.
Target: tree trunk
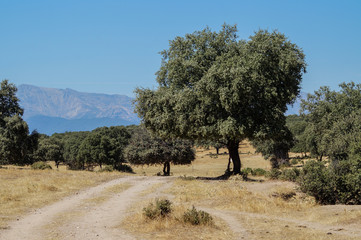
pixel 234 155
pixel 166 169
pixel 229 165
pixel 217 149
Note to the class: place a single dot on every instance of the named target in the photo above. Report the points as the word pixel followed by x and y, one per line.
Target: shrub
pixel 274 173
pixel 318 181
pixel 294 161
pixel 161 208
pixel 259 172
pixel 245 172
pixel 40 165
pixel 195 217
pixel 124 168
pixel 290 174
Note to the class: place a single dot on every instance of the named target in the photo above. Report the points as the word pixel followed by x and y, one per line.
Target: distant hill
pixel 51 110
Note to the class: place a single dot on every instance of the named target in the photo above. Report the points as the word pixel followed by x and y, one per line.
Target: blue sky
pixel 112 46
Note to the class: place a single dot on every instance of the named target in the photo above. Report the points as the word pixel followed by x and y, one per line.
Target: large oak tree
pixel 213 86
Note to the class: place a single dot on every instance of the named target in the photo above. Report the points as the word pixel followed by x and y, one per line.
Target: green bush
pixel 318 181
pixel 124 168
pixel 195 217
pixel 40 165
pixel 245 172
pixel 290 174
pixel 259 172
pixel 161 208
pixel 274 173
pixel 294 161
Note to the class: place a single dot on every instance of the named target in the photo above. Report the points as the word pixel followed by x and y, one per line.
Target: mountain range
pixel 50 110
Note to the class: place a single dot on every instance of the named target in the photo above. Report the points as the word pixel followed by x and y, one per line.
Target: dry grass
pixel 22 189
pixel 264 228
pixel 235 195
pixel 172 227
pixel 336 214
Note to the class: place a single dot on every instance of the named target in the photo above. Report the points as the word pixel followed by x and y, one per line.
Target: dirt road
pixel 77 217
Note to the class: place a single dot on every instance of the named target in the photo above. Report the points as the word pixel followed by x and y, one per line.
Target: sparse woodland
pixel 215 90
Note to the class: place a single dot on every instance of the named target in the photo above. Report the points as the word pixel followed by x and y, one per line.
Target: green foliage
pixel 72 142
pixel 298 127
pixel 50 149
pixel 102 146
pixel 16 146
pixel 274 173
pixel 319 182
pixel 290 174
pixel 197 217
pixel 212 86
pixel 145 149
pixel 245 172
pixel 9 103
pixel 338 183
pixel 161 208
pixel 258 172
pixel 124 168
pixel 277 146
pixel 334 130
pixel 333 121
pixel 294 161
pixel 40 166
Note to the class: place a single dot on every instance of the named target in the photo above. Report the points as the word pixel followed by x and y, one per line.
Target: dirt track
pixel 99 221
pixel 74 218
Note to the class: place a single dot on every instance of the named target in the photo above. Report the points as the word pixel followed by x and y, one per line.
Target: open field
pixel 110 205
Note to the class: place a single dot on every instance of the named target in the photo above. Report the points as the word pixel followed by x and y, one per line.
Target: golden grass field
pixel 259 207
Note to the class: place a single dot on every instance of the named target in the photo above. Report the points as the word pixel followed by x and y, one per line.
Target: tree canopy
pixel 16 145
pixel 9 103
pixel 333 121
pixel 334 130
pixel 144 149
pixel 212 86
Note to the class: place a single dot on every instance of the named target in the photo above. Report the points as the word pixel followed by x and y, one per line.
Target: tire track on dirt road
pixel 100 221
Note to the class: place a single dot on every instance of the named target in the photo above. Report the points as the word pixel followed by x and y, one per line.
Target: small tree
pixel 71 142
pixel 114 140
pixel 16 145
pixel 145 149
pixel 50 149
pixel 9 103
